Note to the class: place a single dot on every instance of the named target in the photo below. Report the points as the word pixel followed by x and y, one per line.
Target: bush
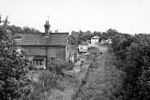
pixel 58 66
pixel 14 67
pixel 45 82
pixel 133 57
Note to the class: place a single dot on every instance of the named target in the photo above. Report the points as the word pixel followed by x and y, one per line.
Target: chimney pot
pixel 47 27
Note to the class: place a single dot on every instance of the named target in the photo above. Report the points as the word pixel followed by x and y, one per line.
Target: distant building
pixel 41 48
pixel 95 39
pixel 83 47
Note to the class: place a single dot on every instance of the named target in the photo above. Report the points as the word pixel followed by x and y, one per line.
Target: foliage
pixel 42 88
pixel 133 57
pixel 94 52
pixel 78 37
pixel 103 80
pixel 45 82
pixel 53 78
pixel 27 30
pixel 114 76
pixel 58 66
pixel 17 29
pixel 14 79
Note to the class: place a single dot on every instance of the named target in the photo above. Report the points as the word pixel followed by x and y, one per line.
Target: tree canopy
pixel 133 57
pixel 14 79
pixel 78 37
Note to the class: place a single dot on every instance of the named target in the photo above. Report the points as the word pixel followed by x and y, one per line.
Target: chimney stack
pixel 47 27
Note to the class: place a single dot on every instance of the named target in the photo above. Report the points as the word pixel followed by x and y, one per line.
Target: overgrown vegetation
pixel 17 29
pixel 58 66
pixel 14 80
pixel 103 79
pixel 43 83
pixel 133 57
pixel 52 78
pixel 78 37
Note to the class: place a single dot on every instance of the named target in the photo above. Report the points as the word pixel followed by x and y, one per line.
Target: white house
pixel 83 47
pixel 95 39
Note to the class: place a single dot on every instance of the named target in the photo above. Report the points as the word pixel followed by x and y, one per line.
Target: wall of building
pixel 39 51
pixel 67 52
pixel 51 53
pixel 94 40
pixel 56 52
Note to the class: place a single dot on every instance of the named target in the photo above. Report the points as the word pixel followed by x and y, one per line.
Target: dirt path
pixel 95 86
pixel 91 82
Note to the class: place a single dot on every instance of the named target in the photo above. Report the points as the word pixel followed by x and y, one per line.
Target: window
pixel 53 58
pixel 38 62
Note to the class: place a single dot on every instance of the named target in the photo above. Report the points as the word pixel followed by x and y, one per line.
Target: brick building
pixel 41 48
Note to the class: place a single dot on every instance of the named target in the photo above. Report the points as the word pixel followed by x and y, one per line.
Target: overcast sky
pixel 128 16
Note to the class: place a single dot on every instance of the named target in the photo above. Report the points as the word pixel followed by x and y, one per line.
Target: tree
pixel 14 79
pixel 27 30
pixel 133 58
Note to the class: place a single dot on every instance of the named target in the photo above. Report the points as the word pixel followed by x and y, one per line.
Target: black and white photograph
pixel 75 50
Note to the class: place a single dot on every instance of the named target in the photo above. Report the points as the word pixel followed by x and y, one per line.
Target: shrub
pixel 58 66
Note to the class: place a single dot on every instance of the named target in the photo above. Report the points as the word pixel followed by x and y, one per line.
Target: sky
pixel 126 16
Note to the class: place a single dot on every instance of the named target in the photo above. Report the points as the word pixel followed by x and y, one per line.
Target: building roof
pixel 41 39
pixel 96 36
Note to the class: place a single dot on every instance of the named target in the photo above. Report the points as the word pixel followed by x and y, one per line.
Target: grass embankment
pixel 49 86
pixel 102 80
